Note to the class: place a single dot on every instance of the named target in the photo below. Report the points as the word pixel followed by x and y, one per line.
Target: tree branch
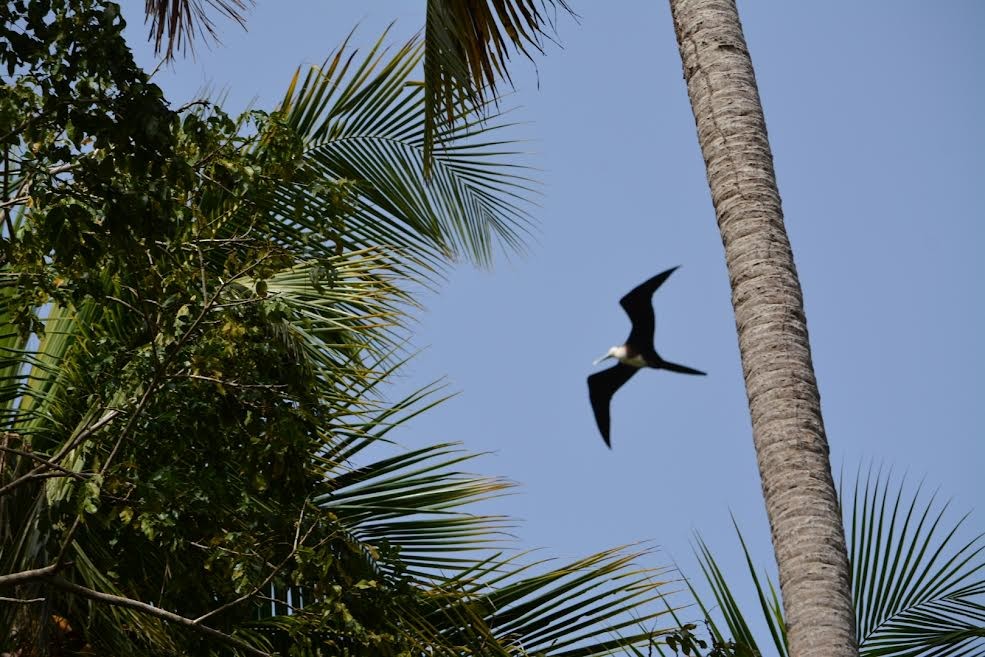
pixel 28 575
pixel 163 614
pixel 65 449
pixel 41 459
pixel 231 384
pixel 21 601
pixel 298 540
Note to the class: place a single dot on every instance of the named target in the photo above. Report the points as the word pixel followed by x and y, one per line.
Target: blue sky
pixel 874 115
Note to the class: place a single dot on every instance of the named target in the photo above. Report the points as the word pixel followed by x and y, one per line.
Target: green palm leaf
pixel 406 514
pixel 467 46
pixel 919 591
pixel 176 23
pixel 362 122
pixel 411 504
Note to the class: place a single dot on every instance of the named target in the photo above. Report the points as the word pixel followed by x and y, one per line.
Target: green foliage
pixel 467 46
pixel 685 641
pixel 477 195
pixel 175 23
pixel 918 590
pixel 198 314
pixel 85 136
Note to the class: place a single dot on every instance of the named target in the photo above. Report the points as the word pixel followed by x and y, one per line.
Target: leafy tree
pixel 199 315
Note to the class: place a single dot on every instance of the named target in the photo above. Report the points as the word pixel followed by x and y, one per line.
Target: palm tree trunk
pixel 788 432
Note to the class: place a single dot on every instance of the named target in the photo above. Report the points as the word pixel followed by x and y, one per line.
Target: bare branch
pixel 17 200
pixel 21 601
pixel 28 575
pixel 163 614
pixel 61 453
pixel 40 459
pixel 6 190
pixel 124 303
pixel 231 384
pixel 192 103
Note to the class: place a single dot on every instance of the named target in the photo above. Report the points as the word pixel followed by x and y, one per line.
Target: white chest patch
pixel 621 354
pixel 635 361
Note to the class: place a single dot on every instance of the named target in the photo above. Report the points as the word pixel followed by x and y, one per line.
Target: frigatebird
pixel 636 353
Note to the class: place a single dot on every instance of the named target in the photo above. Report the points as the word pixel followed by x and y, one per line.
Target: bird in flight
pixel 636 353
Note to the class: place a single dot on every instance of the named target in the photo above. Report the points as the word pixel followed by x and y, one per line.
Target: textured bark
pixel 784 403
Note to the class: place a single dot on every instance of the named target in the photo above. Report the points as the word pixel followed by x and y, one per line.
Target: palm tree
pixel 784 402
pixel 190 394
pixel 917 587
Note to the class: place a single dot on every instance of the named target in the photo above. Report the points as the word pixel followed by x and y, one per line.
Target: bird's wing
pixel 601 387
pixel 638 305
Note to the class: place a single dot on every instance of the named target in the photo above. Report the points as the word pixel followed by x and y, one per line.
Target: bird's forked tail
pixel 680 369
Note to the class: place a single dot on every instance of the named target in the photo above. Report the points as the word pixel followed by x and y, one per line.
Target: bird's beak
pixel 601 358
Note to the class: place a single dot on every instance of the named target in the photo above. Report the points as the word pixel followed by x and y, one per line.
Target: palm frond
pixel 412 507
pixel 410 503
pixel 580 609
pixel 737 626
pixel 175 24
pixel 407 515
pixel 919 590
pixel 337 323
pixel 362 123
pixel 467 49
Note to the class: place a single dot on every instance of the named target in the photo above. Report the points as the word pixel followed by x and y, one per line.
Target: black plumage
pixel 636 353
